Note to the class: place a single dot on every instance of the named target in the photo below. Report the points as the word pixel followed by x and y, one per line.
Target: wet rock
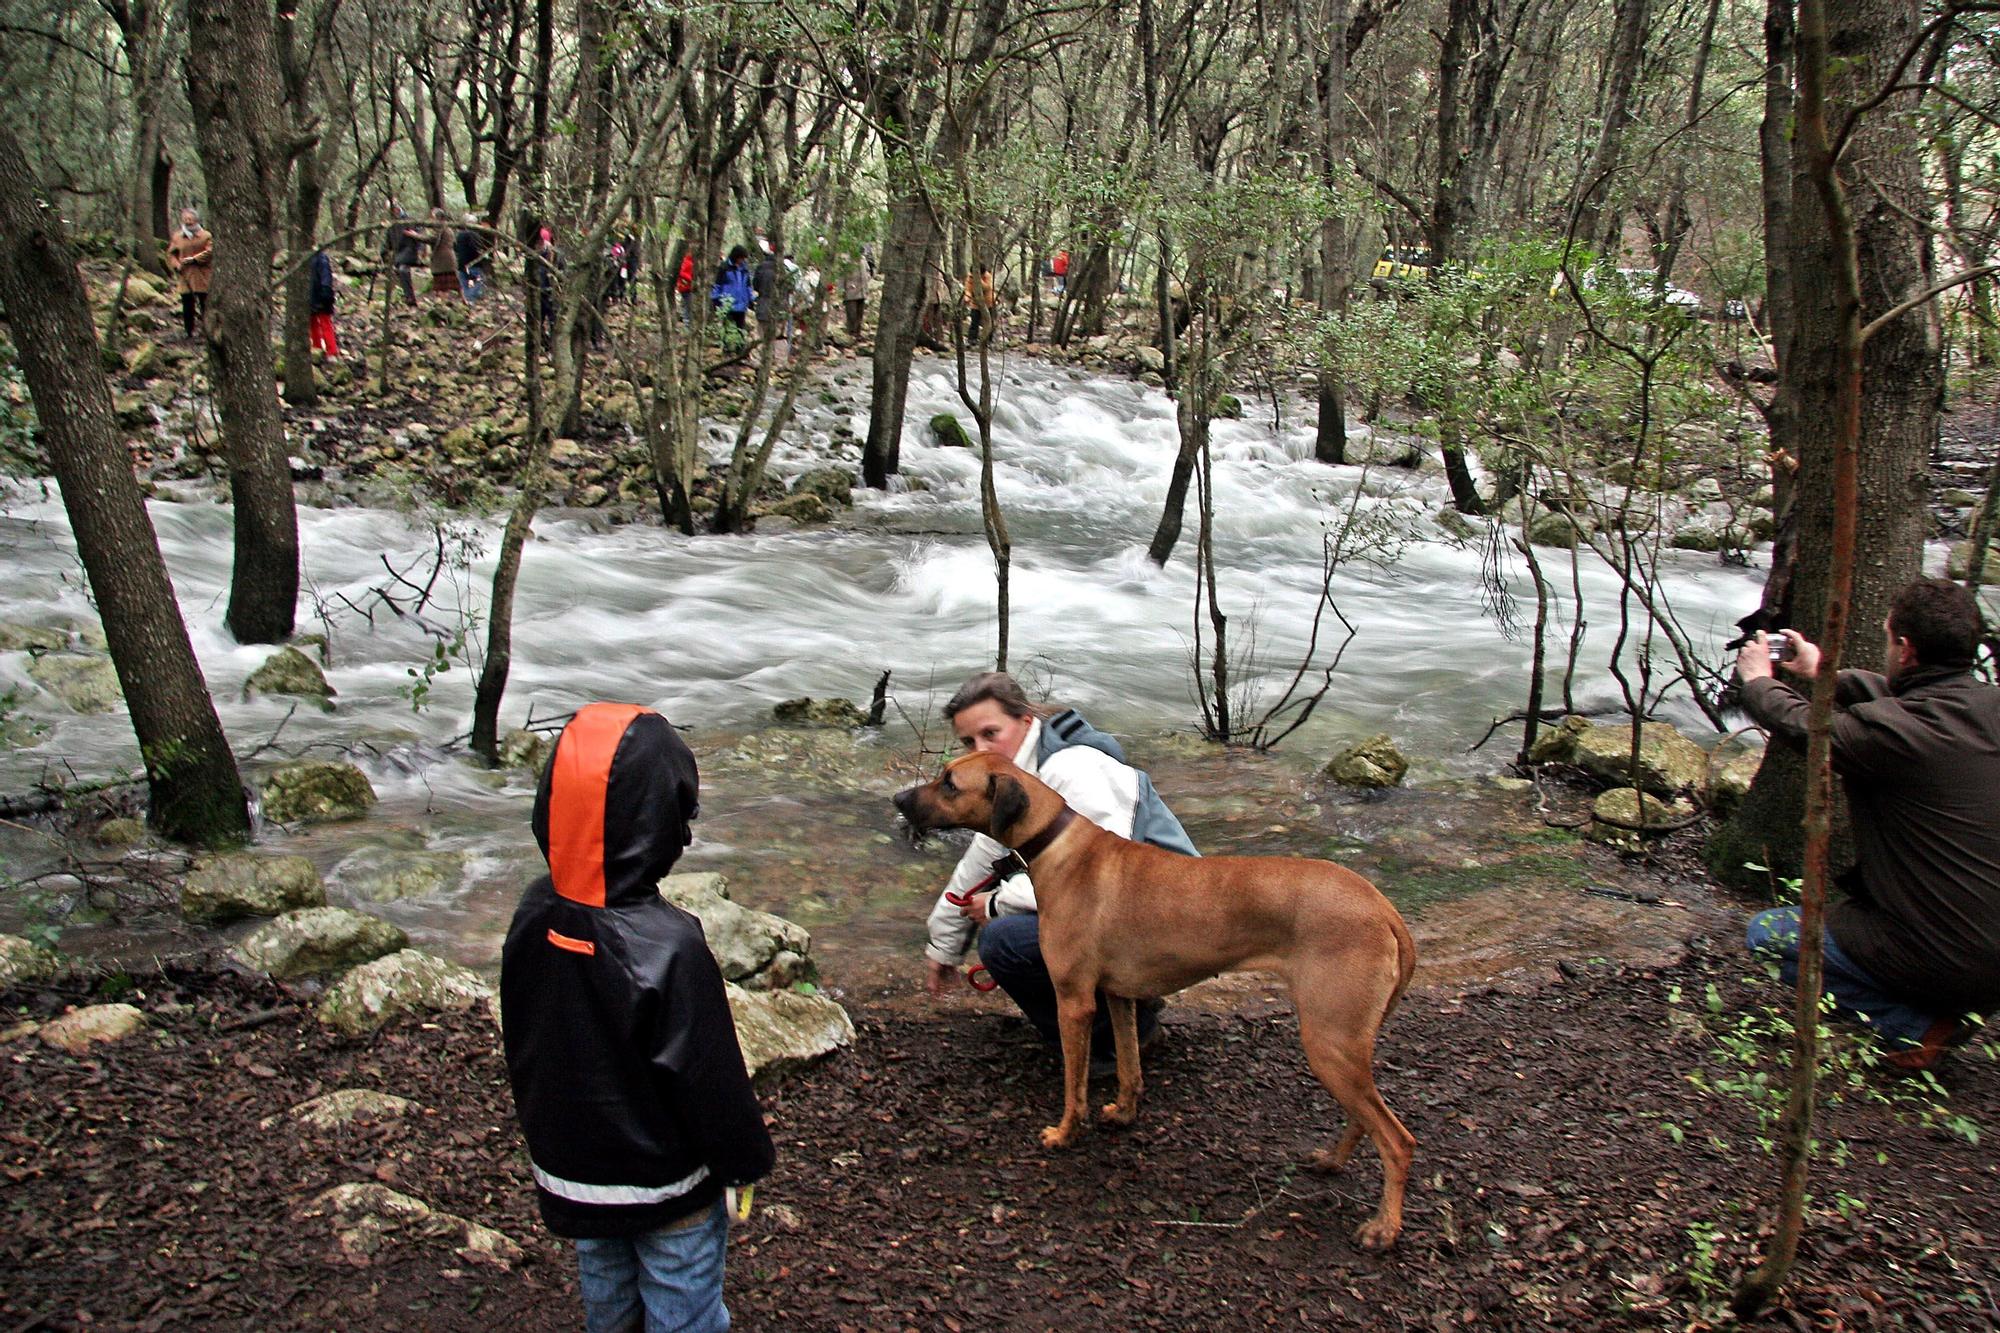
pixel 1669 763
pixel 32 638
pixel 566 453
pixel 1151 359
pixel 746 942
pixel 86 684
pixel 783 1030
pixel 947 433
pixel 591 496
pixel 316 940
pixel 23 960
pixel 94 1025
pixel 831 484
pixel 461 445
pixel 809 712
pixel 289 671
pixel 369 1218
pixel 342 1107
pixel 1728 785
pixel 1228 407
pixel 238 884
pixel 1375 762
pixel 119 833
pixel 1457 524
pixel 800 509
pixel 405 982
pixel 1552 529
pixel 1958 562
pixel 387 877
pixel 524 749
pixel 1557 744
pixel 1619 815
pixel 132 411
pixel 313 791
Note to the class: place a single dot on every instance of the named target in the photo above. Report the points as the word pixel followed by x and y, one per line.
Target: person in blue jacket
pixel 731 291
pixel 627 1076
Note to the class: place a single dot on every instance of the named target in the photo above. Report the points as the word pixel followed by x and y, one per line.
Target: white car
pixel 1640 283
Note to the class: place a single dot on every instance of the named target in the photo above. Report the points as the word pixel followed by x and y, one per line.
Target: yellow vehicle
pixel 1402 263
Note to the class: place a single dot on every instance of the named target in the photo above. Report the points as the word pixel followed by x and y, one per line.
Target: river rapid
pixel 713 631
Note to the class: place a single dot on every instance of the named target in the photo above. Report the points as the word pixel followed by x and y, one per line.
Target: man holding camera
pixel 1915 942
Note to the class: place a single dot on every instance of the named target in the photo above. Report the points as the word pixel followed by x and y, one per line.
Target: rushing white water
pixel 714 630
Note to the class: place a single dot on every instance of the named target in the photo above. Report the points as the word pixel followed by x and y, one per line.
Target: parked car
pixel 1401 263
pixel 1640 284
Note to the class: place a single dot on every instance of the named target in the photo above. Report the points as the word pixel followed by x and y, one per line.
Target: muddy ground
pixel 1575 1169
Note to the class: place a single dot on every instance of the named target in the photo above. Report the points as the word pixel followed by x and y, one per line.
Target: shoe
pixel 1940 1037
pixel 1103 1066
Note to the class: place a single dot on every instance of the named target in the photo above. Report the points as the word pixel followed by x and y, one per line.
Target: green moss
pixel 1418 884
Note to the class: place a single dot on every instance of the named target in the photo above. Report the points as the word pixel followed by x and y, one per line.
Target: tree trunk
pixel 233 89
pixel 1335 274
pixel 196 794
pixel 1901 374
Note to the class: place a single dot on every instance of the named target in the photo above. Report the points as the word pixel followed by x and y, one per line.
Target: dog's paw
pixel 1328 1160
pixel 1055 1136
pixel 1115 1113
pixel 1377 1234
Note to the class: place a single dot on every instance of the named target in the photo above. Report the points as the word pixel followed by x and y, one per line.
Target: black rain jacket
pixel 627 1076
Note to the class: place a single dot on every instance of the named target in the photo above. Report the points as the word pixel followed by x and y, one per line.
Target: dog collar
pixel 1038 844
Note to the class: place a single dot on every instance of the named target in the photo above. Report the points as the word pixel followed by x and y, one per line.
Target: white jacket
pixel 1096 786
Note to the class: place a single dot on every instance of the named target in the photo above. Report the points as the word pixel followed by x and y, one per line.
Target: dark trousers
pixel 1011 949
pixel 194 307
pixel 403 281
pixel 855 305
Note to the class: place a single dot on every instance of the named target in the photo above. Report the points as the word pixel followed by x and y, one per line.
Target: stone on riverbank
pixel 289 671
pixel 1551 529
pixel 1374 763
pixel 1728 785
pixel 756 950
pixel 1616 816
pixel 229 887
pixel 368 1218
pixel 801 509
pixel 1958 561
pixel 807 712
pixel 405 982
pixel 342 1107
pixel 314 940
pixel 93 1025
pixel 87 684
pixel 313 791
pixel 31 638
pixel 22 960
pixel 1669 763
pixel 783 1030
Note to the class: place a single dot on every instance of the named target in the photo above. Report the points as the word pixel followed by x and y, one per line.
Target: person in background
pixel 469 251
pixel 854 290
pixel 731 292
pixel 623 1059
pixel 1913 945
pixel 684 288
pixel 320 332
pixel 191 255
pixel 444 254
pixel 542 266
pixel 400 244
pixel 1059 266
pixel 979 300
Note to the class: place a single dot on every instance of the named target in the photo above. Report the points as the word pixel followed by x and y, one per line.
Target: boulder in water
pixel 831 484
pixel 33 638
pixel 87 684
pixel 525 749
pixel 1375 762
pixel 392 876
pixel 289 671
pixel 801 509
pixel 315 791
pixel 947 433
pixel 808 712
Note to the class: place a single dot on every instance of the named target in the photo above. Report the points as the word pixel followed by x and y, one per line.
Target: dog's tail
pixel 1406 965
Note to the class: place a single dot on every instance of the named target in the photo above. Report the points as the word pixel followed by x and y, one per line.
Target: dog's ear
pixel 1010 803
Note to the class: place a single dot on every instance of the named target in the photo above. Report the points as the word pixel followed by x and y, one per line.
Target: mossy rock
pixel 1618 816
pixel 801 509
pixel 32 638
pixel 289 671
pixel 808 712
pixel 1228 407
pixel 1551 529
pixel 229 887
pixel 406 982
pixel 527 750
pixel 1669 763
pixel 144 361
pixel 389 877
pixel 831 484
pixel 23 961
pixel 1374 763
pixel 312 791
pixel 946 433
pixel 87 684
pixel 316 940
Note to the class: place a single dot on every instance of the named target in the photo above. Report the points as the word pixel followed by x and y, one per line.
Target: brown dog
pixel 1136 922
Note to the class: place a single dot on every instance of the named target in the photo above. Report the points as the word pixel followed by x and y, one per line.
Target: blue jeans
pixel 1011 949
pixel 1775 935
pixel 665 1281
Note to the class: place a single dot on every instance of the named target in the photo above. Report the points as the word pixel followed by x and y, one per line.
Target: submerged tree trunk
pixel 196 794
pixel 232 81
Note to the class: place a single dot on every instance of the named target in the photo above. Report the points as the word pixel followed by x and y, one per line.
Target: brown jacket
pixel 1921 763
pixel 191 259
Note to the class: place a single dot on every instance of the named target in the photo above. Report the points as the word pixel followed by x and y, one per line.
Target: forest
pixel 1388 416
